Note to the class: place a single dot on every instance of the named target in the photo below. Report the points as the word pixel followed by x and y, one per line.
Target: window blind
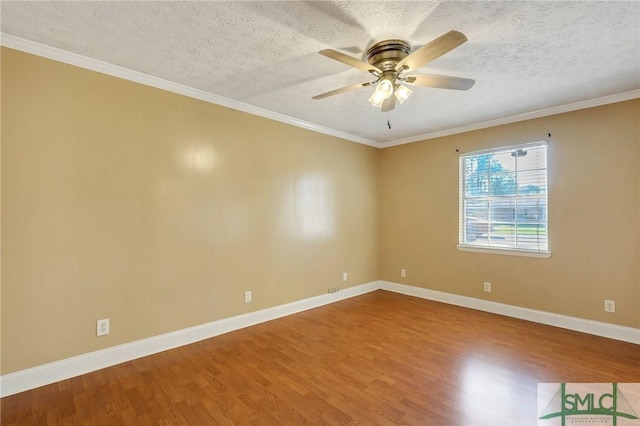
pixel 503 198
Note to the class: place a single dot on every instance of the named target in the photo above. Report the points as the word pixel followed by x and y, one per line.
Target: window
pixel 503 200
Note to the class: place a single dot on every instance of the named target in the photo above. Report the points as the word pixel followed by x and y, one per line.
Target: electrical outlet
pixel 610 306
pixel 487 287
pixel 247 297
pixel 403 273
pixel 333 290
pixel 102 327
pixel 345 276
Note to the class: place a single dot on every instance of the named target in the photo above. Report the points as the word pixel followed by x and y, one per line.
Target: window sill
pixel 504 251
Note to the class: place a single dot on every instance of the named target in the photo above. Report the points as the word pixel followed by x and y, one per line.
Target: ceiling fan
pixel 388 60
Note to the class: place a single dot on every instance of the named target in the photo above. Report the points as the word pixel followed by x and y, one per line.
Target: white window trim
pixel 508 251
pixel 505 251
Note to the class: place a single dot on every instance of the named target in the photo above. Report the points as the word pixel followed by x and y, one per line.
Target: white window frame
pixel 462 225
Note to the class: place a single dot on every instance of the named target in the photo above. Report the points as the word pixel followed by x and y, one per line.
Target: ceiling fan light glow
pixel 376 99
pixel 402 93
pixel 383 91
pixel 385 88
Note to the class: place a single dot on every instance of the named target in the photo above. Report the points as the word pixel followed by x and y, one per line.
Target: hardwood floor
pixel 381 358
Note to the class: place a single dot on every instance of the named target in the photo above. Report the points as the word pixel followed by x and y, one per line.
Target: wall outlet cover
pixel 102 327
pixel 610 306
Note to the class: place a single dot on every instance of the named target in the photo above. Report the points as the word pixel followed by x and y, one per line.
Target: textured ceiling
pixel 524 56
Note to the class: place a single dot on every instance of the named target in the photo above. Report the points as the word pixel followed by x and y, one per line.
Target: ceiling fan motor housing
pixel 387 53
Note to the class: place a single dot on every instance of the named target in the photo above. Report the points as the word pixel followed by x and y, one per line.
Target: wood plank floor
pixel 381 358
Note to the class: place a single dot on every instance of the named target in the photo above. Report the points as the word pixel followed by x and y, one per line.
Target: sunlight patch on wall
pixel 200 158
pixel 314 207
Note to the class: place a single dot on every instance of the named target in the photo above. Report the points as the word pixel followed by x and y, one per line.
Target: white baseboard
pixel 32 378
pixel 41 375
pixel 603 329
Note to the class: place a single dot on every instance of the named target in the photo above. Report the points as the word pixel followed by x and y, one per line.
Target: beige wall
pixel 1 371
pixel 594 217
pixel 158 211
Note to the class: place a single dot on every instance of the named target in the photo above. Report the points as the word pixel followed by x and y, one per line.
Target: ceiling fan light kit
pixel 389 59
pixel 383 91
pixel 402 93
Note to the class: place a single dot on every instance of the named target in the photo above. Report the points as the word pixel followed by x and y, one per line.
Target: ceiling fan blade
pixel 350 60
pixel 440 81
pixel 344 89
pixel 389 104
pixel 432 50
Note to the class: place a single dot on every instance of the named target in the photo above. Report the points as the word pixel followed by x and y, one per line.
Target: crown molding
pixel 60 55
pixel 589 103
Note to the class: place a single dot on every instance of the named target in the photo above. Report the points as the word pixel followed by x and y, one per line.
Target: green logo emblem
pixel 586 402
